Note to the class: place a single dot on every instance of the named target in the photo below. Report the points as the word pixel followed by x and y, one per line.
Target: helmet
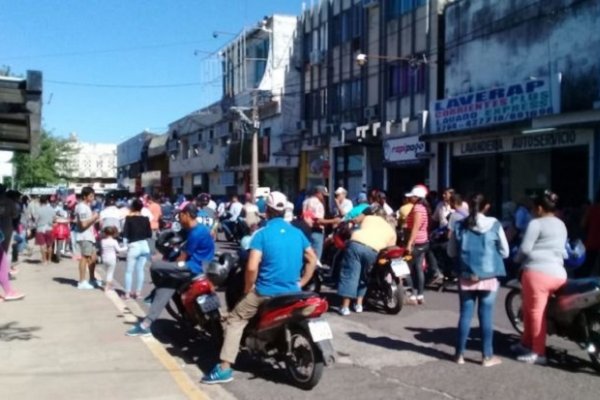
pixel 218 269
pixel 576 254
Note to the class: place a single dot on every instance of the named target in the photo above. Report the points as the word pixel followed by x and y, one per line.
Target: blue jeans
pixel 316 241
pixel 485 311
pixel 137 255
pixel 356 262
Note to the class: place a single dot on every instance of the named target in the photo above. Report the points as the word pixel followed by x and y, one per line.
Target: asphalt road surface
pixel 405 356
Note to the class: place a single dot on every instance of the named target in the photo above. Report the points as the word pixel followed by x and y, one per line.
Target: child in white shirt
pixel 110 248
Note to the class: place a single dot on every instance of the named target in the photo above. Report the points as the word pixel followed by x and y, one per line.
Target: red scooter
pixel 289 329
pixel 196 302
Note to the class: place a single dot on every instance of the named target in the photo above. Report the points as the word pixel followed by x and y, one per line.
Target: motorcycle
pixel 287 328
pixel 438 240
pixel 333 249
pixel 234 231
pixel 386 276
pixel 572 313
pixel 194 303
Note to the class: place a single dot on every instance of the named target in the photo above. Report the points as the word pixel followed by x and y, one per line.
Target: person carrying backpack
pixel 480 244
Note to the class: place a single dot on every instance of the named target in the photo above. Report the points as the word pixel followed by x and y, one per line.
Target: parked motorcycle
pixel 288 328
pixel 572 313
pixel 195 302
pixel 385 288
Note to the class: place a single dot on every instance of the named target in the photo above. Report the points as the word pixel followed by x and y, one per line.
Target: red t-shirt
pixel 422 233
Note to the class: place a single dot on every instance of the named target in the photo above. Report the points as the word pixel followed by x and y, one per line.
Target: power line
pixel 105 51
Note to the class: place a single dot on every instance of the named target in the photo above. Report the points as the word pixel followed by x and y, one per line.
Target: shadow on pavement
pixel 398 345
pixel 65 281
pixel 195 349
pixel 557 358
pixel 10 331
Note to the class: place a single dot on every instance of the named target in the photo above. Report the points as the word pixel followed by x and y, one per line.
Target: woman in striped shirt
pixel 417 224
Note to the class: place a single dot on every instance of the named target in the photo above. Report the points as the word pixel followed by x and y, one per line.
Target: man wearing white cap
pixel 274 267
pixel 343 205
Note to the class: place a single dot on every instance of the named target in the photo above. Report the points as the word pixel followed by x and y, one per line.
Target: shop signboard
pixel 403 149
pixel 532 142
pixel 515 102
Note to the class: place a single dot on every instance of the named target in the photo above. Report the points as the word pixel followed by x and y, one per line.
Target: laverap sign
pixel 515 102
pixel 403 149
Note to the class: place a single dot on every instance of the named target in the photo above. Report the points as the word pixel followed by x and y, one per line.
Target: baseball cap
pixel 277 201
pixel 189 209
pixel 322 189
pixel 419 191
pixel 340 190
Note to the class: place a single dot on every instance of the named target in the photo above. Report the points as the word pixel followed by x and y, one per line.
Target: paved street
pixel 46 350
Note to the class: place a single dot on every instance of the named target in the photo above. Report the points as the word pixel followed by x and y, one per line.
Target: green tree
pixel 51 167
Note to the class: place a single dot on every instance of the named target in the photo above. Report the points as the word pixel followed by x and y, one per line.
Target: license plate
pixel 320 330
pixel 208 303
pixel 400 268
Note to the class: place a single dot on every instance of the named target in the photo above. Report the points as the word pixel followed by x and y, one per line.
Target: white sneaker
pixel 344 311
pixel 85 285
pixel 97 283
pixel 358 308
pixel 532 358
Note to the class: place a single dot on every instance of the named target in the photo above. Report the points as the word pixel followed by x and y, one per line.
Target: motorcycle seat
pixel 285 299
pixel 576 286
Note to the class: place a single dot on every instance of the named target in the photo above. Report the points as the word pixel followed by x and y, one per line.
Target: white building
pixel 94 164
pixel 6 167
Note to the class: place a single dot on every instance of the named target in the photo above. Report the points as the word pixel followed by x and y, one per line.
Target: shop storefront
pixel 348 169
pixel 314 168
pixel 510 166
pixel 405 166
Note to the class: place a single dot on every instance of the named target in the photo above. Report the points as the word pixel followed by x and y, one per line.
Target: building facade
pixel 130 164
pixel 92 164
pixel 520 110
pixel 370 72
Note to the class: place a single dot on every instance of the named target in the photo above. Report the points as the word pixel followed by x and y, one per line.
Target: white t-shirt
pixel 84 212
pixel 235 209
pixel 345 207
pixel 212 205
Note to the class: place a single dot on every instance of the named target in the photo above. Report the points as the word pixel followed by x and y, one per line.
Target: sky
pixel 102 60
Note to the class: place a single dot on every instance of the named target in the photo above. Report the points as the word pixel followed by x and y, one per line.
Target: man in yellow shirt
pixel 373 235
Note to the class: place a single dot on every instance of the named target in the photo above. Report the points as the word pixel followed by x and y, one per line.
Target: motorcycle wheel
pixel 214 328
pixel 594 332
pixel 514 309
pixel 305 363
pixel 394 299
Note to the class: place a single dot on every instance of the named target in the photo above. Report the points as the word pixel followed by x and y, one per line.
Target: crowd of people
pixel 478 245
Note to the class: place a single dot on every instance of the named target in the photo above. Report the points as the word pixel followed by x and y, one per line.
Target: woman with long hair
pixel 480 244
pixel 542 252
pixel 136 232
pixel 417 224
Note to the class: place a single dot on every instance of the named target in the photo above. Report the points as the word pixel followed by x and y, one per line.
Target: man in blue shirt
pixel 168 276
pixel 274 268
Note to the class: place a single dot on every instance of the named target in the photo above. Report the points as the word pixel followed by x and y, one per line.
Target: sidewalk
pixel 64 343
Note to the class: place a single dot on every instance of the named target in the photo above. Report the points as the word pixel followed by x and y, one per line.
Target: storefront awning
pixel 21 113
pixel 469 134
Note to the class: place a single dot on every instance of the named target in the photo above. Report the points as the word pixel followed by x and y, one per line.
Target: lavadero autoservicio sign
pixel 562 138
pixel 498 105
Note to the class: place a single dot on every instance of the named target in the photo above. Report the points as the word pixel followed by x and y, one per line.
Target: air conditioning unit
pixel 370 3
pixel 301 125
pixel 371 112
pixel 316 57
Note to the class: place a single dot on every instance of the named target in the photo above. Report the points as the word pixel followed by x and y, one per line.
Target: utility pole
pixel 255 128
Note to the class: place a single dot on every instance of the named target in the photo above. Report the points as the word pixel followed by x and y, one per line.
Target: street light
pixel 362 58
